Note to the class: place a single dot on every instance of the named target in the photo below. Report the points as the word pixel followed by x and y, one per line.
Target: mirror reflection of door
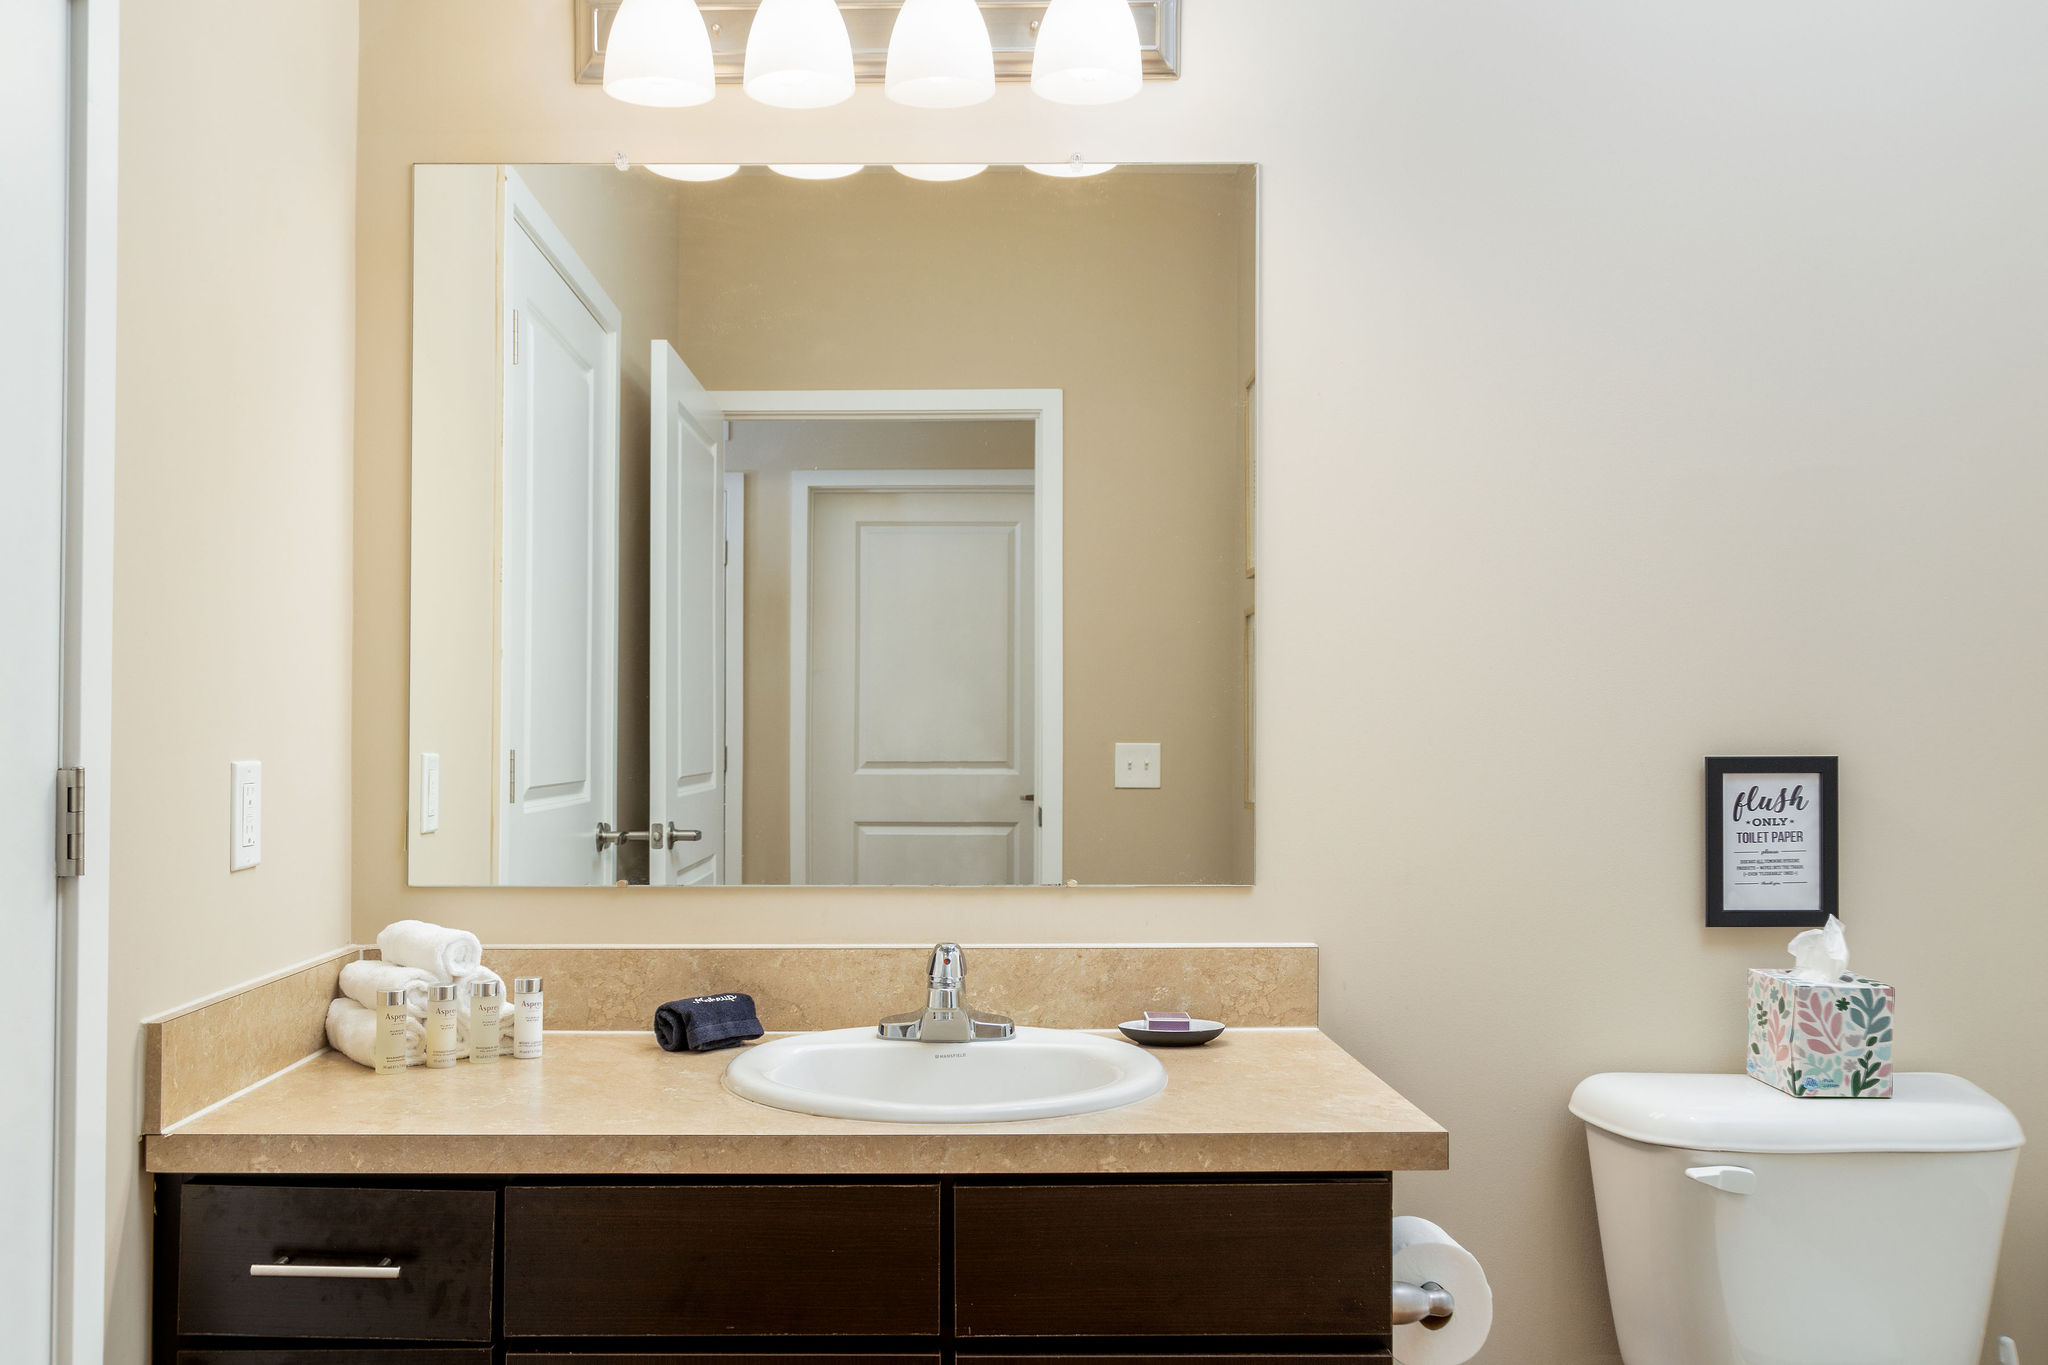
pixel 558 614
pixel 916 682
pixel 686 639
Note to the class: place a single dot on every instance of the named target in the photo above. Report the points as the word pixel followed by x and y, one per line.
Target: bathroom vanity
pixel 613 1203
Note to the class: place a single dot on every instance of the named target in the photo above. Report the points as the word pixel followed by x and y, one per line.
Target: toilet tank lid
pixel 1928 1112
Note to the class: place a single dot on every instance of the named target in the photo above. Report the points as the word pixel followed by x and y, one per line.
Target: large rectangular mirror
pixel 867 531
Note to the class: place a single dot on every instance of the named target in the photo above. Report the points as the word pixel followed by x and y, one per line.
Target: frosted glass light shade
pixel 1070 170
pixel 817 171
pixel 799 55
pixel 1087 53
pixel 659 53
pixel 932 170
pixel 695 171
pixel 940 56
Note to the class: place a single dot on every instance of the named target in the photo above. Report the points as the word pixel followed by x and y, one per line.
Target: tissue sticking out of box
pixel 1820 954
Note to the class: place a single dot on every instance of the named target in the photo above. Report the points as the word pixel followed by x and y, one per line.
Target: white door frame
pixel 88 683
pixel 1045 409
pixel 735 674
pixel 523 213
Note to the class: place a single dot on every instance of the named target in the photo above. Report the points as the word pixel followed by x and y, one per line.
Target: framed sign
pixel 1771 845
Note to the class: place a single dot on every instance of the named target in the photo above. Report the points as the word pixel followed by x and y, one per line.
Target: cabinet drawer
pixel 373 1355
pixel 1348 1358
pixel 672 1358
pixel 440 1241
pixel 721 1260
pixel 1171 1260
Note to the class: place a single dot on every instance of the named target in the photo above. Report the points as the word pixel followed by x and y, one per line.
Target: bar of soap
pixel 1167 1019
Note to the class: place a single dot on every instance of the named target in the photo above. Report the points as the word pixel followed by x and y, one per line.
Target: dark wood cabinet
pixel 1279 1270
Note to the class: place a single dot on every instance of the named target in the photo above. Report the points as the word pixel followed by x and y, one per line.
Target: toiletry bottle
pixel 442 1046
pixel 484 1004
pixel 526 1016
pixel 387 1044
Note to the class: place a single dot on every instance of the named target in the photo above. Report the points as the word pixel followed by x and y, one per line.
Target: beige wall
pixel 232 580
pixel 1591 334
pixel 768 453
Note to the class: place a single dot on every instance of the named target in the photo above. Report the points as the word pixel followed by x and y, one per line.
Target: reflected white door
pixel 559 576
pixel 686 632
pixel 918 695
pixel 33 62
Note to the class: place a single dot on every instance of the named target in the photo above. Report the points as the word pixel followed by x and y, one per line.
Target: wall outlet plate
pixel 1137 765
pixel 245 814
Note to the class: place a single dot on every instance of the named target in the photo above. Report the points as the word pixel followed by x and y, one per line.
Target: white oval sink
pixel 853 1074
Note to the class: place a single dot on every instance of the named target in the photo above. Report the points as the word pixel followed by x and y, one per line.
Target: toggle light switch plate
pixel 1137 765
pixel 245 814
pixel 430 793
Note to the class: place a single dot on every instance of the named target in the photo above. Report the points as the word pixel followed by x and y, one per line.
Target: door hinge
pixel 728 554
pixel 70 822
pixel 512 775
pixel 725 759
pixel 515 336
pixel 1041 817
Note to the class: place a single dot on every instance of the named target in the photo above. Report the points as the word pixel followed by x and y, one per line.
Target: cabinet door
pixel 284 1261
pixel 1279 1259
pixel 722 1260
pixel 385 1355
pixel 631 1358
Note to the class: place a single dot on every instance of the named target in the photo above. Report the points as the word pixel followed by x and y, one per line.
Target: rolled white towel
pixel 363 981
pixel 449 954
pixel 352 1031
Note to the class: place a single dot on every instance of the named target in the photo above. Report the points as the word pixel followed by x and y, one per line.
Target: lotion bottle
pixel 387 1044
pixel 484 1005
pixel 526 1017
pixel 443 1046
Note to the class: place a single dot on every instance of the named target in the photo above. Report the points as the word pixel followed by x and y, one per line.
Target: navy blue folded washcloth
pixel 705 1022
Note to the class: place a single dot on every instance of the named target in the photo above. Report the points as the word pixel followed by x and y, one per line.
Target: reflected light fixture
pixel 799 55
pixel 940 55
pixel 1087 53
pixel 1076 169
pixel 694 171
pixel 659 54
pixel 814 171
pixel 943 171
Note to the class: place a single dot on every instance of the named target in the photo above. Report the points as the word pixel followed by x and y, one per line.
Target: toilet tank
pixel 1741 1226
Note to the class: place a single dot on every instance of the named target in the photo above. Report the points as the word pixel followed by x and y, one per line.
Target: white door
pixel 33 61
pixel 918 689
pixel 559 607
pixel 686 633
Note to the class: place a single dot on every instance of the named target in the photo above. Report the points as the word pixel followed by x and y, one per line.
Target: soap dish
pixel 1198 1032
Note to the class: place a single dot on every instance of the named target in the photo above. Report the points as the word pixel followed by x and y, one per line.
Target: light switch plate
pixel 1137 765
pixel 245 814
pixel 430 793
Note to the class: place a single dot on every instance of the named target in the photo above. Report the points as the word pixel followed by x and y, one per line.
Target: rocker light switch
pixel 245 814
pixel 1137 765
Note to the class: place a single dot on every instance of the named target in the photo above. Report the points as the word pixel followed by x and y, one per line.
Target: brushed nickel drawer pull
pixel 283 1268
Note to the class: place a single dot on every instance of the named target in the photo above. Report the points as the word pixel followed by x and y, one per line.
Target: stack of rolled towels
pixel 415 956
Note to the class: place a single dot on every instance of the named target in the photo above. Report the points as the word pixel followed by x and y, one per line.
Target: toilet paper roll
pixel 1425 1254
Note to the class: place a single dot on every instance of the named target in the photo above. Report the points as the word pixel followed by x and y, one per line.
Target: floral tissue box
pixel 1821 1040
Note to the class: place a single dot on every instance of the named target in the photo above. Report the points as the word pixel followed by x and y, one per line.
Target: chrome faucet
pixel 945 1017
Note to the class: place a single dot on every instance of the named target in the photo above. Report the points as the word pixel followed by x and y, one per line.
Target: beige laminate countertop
pixel 1282 1099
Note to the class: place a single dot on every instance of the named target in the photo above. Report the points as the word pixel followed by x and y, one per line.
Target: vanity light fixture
pixel 799 55
pixel 817 171
pixel 659 54
pixel 697 172
pixel 1075 169
pixel 1087 53
pixel 936 171
pixel 940 55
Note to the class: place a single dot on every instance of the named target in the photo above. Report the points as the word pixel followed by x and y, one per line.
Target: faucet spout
pixel 946 1016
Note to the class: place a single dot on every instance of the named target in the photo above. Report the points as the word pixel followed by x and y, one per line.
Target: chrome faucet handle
pixel 948 967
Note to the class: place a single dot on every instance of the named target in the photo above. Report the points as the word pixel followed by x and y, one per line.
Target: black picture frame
pixel 1718 821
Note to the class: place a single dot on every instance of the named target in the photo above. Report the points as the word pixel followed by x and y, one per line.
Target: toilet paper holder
pixel 1429 1304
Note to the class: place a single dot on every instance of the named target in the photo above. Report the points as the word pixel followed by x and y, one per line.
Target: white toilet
pixel 1744 1227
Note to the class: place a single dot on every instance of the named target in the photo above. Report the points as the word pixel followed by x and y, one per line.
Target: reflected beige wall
pixel 1121 291
pixel 1560 321
pixel 767 453
pixel 233 590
